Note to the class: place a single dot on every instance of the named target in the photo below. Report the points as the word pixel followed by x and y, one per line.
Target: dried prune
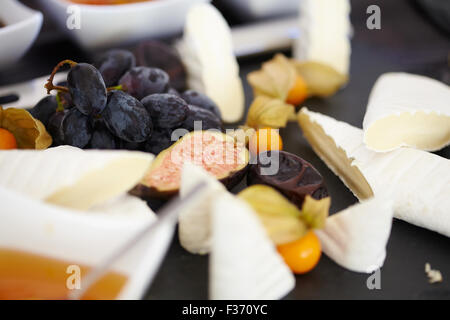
pixel 291 175
pixel 44 109
pixel 142 81
pixel 216 152
pixel 167 110
pixel 113 64
pixel 87 88
pixel 159 55
pixel 77 129
pixel 202 101
pixel 201 119
pixel 127 118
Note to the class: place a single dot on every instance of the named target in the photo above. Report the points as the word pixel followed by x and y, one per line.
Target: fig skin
pixel 295 179
pixel 147 193
pixel 230 181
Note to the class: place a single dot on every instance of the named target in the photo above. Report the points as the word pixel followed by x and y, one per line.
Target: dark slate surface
pixel 408 41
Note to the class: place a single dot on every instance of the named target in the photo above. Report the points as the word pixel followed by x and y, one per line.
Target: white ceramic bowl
pixel 22 27
pixel 108 26
pixel 82 238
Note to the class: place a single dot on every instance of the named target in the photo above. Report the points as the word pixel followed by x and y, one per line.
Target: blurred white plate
pixel 22 27
pixel 108 26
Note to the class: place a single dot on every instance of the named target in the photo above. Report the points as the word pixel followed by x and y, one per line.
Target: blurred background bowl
pixel 103 26
pixel 258 9
pixel 22 25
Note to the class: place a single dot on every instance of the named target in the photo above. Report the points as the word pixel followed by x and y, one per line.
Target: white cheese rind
pixel 194 229
pixel 72 177
pixel 325 31
pixel 416 180
pixel 207 53
pixel 407 110
pixel 244 263
pixel 356 237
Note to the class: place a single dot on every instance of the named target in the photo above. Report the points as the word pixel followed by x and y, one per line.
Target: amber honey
pixel 25 276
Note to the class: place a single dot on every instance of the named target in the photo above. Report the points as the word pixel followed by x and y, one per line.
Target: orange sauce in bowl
pixel 107 2
pixel 27 276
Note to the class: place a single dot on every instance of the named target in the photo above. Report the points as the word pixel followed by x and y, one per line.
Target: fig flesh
pixel 216 152
pixel 291 175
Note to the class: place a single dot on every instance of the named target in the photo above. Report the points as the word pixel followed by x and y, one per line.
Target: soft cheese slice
pixel 325 31
pixel 72 177
pixel 244 263
pixel 407 110
pixel 124 207
pixel 194 229
pixel 207 52
pixel 356 237
pixel 417 181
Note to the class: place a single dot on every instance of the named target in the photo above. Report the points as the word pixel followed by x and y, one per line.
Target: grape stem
pixel 49 85
pixel 119 87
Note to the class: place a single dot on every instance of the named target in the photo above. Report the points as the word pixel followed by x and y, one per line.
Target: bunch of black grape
pixel 114 104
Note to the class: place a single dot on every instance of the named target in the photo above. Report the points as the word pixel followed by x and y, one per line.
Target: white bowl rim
pixel 34 15
pixel 120 7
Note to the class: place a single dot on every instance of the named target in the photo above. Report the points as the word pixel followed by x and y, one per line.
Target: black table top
pixel 407 41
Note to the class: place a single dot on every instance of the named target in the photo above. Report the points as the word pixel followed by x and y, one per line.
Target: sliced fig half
pixel 288 173
pixel 214 151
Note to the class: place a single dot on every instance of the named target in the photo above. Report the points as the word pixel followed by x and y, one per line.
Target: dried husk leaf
pixel 274 79
pixel 30 133
pixel 280 218
pixel 322 80
pixel 315 212
pixel 269 112
pixel 241 135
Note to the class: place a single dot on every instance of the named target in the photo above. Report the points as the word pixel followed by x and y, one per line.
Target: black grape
pixel 159 141
pixel 44 109
pixel 159 55
pixel 113 64
pixel 77 129
pixel 167 110
pixel 125 145
pixel 207 119
pixel 103 139
pixel 200 100
pixel 127 118
pixel 87 88
pixel 54 127
pixel 142 81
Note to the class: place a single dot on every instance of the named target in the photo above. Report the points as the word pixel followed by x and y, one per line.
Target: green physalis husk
pixel 283 221
pixel 29 132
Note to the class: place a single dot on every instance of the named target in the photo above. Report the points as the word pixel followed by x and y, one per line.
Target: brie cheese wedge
pixel 356 237
pixel 207 53
pixel 416 180
pixel 71 177
pixel 407 110
pixel 244 263
pixel 325 31
pixel 124 207
pixel 194 230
